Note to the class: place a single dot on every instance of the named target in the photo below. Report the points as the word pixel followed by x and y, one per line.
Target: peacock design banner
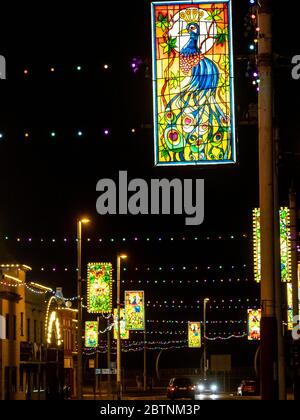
pixel 194 335
pixel 99 288
pixel 193 90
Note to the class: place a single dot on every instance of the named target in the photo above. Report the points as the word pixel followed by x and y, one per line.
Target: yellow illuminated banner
pixel 135 310
pixel 194 335
pixel 99 288
pixel 123 332
pixel 254 318
pixel 193 90
pixel 91 334
pixel 285 245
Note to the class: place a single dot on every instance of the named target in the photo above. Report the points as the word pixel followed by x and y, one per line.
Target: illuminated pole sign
pixel 254 317
pixel 91 334
pixel 290 314
pixel 135 310
pixel 194 335
pixel 285 245
pixel 193 90
pixel 99 288
pixel 123 332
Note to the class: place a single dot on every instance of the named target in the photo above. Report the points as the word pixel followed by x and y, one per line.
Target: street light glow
pixel 123 256
pixel 85 221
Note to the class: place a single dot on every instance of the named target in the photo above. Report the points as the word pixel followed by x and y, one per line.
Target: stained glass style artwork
pixel 285 245
pixel 91 334
pixel 254 318
pixel 290 314
pixel 194 335
pixel 123 332
pixel 194 122
pixel 135 310
pixel 99 288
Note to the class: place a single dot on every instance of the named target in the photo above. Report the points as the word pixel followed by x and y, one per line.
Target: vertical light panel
pixel 123 332
pixel 256 245
pixel 194 122
pixel 254 317
pixel 194 335
pixel 285 245
pixel 135 310
pixel 99 288
pixel 91 334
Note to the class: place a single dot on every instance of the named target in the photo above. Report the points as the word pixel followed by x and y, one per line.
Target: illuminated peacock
pixel 197 121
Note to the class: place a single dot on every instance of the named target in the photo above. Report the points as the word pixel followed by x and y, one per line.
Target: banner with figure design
pixel 193 83
pixel 135 310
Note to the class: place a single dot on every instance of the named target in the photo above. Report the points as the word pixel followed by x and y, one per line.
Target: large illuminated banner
pixel 285 245
pixel 99 288
pixel 135 310
pixel 193 83
pixel 123 332
pixel 91 334
pixel 194 335
pixel 254 317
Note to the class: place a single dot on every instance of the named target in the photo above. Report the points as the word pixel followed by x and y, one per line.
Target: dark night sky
pixel 46 183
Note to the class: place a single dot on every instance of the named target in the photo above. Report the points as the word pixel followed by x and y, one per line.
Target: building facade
pixel 37 339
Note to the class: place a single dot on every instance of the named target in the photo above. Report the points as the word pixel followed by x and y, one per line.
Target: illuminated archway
pixel 54 325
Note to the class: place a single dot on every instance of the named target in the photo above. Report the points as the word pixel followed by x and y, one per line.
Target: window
pixel 13 388
pixel 7 329
pixel 34 331
pixel 22 324
pixel 14 327
pixel 28 330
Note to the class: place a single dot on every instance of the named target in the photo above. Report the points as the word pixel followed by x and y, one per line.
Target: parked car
pixel 206 387
pixel 248 387
pixel 181 388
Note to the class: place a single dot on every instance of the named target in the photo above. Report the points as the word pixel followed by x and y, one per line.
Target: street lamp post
pixel 79 307
pixel 119 381
pixel 204 337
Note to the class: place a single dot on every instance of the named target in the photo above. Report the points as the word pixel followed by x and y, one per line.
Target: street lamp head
pixel 206 300
pixel 123 256
pixel 85 221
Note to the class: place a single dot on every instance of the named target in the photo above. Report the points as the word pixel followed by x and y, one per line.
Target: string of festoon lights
pixel 252 30
pixel 157 345
pixel 153 268
pixel 69 240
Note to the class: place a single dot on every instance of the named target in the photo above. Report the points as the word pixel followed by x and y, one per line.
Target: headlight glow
pixel 214 388
pixel 201 387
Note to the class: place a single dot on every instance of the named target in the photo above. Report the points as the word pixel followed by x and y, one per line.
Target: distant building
pixel 37 339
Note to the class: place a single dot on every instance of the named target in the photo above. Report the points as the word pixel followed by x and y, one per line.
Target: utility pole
pixel 295 283
pixel 79 307
pixel 277 279
pixel 204 338
pixel 145 359
pixel 108 356
pixel 266 177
